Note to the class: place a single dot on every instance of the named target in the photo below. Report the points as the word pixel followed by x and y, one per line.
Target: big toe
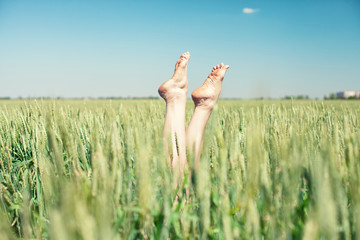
pixel 184 58
pixel 223 67
pixel 220 70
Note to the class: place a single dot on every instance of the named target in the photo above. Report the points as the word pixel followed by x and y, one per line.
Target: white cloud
pixel 249 10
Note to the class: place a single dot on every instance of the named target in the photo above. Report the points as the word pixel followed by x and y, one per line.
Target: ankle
pixel 175 97
pixel 204 110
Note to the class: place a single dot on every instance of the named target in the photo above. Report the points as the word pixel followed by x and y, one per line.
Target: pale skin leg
pixel 205 98
pixel 174 93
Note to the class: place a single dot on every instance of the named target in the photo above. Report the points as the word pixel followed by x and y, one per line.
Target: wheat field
pixel 97 169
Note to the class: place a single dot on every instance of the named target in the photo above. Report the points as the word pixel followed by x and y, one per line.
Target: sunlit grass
pixel 98 170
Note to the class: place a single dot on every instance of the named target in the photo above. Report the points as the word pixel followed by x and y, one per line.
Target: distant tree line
pixel 332 96
pixel 297 97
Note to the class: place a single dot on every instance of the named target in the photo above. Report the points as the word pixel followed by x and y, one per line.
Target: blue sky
pixel 128 48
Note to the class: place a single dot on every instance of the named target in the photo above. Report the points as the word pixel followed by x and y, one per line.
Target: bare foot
pixel 207 95
pixel 177 85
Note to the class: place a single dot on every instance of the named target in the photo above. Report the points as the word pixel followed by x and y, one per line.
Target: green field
pixel 96 169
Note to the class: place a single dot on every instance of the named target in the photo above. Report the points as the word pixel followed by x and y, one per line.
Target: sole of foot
pixel 207 95
pixel 177 85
